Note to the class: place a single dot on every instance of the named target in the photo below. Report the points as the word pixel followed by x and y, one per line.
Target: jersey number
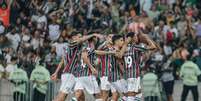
pixel 128 61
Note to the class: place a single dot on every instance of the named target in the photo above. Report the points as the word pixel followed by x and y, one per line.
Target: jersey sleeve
pixel 140 48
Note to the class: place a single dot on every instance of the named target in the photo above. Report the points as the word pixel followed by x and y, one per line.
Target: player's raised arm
pixel 85 38
pixel 100 52
pixel 151 45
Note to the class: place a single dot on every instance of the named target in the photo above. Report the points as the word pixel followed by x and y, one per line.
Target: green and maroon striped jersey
pixel 109 66
pixel 105 64
pixel 132 59
pixel 84 68
pixel 115 73
pixel 72 53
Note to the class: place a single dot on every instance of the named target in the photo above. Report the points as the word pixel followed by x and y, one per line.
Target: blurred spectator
pixel 190 2
pixel 177 62
pixel 160 32
pixel 181 24
pixel 2 28
pixel 196 58
pixel 19 79
pixel 14 38
pixel 168 79
pixel 54 29
pixel 167 49
pixel 35 41
pixel 5 12
pixel 59 46
pixel 2 69
pixel 52 60
pixel 153 13
pixel 49 6
pixel 189 74
pixel 11 67
pixel 27 62
pixel 151 87
pixel 40 76
pixel 8 55
pixel 146 4
pixel 198 30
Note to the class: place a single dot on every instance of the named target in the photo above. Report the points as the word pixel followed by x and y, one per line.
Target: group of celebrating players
pixel 113 66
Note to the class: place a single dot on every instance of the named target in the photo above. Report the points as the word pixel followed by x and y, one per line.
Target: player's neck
pixel 133 43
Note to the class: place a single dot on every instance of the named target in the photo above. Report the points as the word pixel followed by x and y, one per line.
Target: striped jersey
pixel 115 73
pixel 109 67
pixel 104 67
pixel 84 68
pixel 132 59
pixel 72 55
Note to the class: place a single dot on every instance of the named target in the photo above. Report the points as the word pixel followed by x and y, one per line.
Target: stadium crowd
pixel 39 30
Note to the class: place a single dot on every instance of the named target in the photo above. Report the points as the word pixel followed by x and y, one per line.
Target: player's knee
pixel 60 97
pixel 115 96
pixel 98 96
pixel 79 94
pixel 104 94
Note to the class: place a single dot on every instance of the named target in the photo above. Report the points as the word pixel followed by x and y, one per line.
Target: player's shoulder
pixel 139 47
pixel 68 46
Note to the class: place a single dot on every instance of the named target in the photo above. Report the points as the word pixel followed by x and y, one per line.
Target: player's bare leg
pixel 104 95
pixel 115 96
pixel 79 95
pixel 61 97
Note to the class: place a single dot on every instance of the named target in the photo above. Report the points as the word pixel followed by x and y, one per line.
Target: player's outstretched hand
pixel 94 71
pixel 54 76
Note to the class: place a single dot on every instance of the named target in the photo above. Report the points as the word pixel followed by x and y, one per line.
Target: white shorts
pixel 67 83
pixel 138 97
pixel 133 84
pixel 119 86
pixel 105 84
pixel 88 83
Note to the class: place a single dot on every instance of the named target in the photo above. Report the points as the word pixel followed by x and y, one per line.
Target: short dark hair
pixel 41 61
pixel 75 33
pixel 116 37
pixel 188 57
pixel 14 58
pixel 130 34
